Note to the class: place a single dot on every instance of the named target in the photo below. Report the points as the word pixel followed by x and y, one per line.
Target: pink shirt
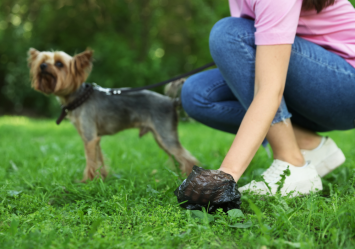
pixel 278 21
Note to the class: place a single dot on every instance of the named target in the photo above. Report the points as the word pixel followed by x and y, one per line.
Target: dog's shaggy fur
pixel 63 75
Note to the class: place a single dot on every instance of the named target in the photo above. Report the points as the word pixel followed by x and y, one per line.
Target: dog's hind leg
pixel 166 135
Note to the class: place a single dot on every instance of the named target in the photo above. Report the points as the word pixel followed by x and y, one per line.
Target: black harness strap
pixel 89 89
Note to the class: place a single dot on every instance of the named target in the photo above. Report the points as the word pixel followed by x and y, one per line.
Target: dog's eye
pixel 58 64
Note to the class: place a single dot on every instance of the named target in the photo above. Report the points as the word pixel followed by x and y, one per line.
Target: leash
pixel 122 91
pixel 89 89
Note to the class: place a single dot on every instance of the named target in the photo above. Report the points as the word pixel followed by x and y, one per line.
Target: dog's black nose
pixel 43 66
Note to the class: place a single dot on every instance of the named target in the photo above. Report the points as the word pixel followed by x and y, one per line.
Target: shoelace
pixel 272 174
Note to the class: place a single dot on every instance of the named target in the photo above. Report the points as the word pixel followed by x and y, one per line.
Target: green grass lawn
pixel 42 205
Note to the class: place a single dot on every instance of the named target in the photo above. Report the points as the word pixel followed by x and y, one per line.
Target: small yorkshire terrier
pixel 63 75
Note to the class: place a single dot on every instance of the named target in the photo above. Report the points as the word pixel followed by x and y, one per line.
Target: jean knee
pixel 218 34
pixel 227 30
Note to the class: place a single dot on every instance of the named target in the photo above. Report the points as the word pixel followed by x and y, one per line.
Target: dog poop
pixel 211 189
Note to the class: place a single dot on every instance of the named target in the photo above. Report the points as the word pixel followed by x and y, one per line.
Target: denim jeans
pixel 319 92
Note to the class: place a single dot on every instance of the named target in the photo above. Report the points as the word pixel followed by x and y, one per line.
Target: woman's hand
pixel 271 65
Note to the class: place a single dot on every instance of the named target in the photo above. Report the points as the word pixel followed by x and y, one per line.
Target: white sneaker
pixel 302 180
pixel 326 157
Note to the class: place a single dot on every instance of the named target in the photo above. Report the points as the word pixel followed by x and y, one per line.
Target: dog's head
pixel 57 72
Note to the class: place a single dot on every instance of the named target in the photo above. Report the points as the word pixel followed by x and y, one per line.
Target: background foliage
pixel 136 42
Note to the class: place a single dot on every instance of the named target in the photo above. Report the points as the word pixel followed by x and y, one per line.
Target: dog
pixel 101 114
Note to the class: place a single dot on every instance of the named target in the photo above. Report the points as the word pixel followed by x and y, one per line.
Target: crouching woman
pixel 285 71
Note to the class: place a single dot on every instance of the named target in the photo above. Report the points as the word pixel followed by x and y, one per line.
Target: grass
pixel 43 206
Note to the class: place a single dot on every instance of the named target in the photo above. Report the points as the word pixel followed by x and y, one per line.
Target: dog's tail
pixel 173 90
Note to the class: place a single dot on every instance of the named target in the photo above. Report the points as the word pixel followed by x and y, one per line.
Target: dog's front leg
pixel 103 169
pixel 94 160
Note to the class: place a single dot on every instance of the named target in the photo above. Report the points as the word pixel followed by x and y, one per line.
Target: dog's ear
pixel 81 65
pixel 31 56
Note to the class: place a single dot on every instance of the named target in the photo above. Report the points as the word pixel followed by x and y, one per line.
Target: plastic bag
pixel 211 189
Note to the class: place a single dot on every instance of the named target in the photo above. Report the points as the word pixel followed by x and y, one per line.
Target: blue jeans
pixel 319 93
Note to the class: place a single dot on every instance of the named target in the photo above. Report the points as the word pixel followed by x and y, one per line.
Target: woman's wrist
pixel 232 171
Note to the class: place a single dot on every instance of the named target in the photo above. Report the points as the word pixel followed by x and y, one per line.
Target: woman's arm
pixel 271 65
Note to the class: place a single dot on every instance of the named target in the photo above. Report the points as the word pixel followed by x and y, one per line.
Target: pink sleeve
pixel 276 21
pixel 234 8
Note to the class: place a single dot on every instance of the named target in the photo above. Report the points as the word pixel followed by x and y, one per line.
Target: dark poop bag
pixel 211 189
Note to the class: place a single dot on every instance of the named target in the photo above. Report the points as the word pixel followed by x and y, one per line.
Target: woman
pixel 286 70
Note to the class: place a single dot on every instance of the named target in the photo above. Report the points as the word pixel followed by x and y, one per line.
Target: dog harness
pixel 89 89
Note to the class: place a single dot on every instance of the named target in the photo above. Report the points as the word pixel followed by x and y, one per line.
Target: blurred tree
pixel 136 42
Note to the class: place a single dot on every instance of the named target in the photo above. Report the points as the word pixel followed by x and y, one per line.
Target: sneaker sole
pixel 330 163
pixel 303 187
pixel 298 188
